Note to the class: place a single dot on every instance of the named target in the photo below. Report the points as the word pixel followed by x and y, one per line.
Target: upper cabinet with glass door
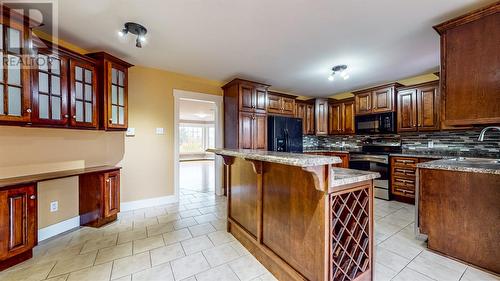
pixel 113 91
pixel 83 89
pixel 15 103
pixel 49 90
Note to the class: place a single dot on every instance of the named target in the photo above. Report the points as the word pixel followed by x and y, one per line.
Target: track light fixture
pixel 136 29
pixel 341 69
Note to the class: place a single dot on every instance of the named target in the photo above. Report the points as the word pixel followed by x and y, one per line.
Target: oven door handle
pixel 382 160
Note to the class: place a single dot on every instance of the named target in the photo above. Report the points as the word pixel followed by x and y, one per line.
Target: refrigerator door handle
pixel 287 141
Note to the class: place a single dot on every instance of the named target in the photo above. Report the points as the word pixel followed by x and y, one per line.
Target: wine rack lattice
pixel 350 213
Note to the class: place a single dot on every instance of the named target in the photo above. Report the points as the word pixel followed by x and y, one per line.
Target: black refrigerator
pixel 284 134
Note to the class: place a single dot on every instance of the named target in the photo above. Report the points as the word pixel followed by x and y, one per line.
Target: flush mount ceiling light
pixel 136 29
pixel 339 69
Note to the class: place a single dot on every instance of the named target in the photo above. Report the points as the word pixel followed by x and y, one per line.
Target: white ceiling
pixel 192 110
pixel 290 44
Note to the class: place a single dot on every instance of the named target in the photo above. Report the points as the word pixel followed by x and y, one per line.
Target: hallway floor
pixel 188 241
pixel 197 175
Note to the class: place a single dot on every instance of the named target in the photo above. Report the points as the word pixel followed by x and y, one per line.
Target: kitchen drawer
pixel 404 162
pixel 404 182
pixel 407 172
pixel 403 190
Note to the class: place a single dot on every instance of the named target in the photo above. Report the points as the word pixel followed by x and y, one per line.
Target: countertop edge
pixel 291 159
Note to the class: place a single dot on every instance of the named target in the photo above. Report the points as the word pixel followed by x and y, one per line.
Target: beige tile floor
pixel 188 241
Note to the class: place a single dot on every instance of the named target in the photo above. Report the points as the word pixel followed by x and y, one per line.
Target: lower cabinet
pixel 403 178
pixel 18 224
pixel 99 198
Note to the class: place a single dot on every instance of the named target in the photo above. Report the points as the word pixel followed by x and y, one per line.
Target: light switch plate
pixel 54 206
pixel 130 132
pixel 160 131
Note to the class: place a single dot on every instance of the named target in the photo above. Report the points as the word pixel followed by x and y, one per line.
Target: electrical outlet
pixel 54 206
pixel 430 144
pixel 130 132
pixel 160 131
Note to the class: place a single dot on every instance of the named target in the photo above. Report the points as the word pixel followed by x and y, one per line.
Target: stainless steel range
pixel 374 156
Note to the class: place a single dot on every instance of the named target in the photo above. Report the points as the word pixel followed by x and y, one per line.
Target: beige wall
pixel 147 158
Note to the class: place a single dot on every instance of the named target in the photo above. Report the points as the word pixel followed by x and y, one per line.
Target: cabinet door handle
pixel 32 197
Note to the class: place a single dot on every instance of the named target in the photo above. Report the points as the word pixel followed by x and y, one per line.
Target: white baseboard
pixel 145 203
pixel 58 228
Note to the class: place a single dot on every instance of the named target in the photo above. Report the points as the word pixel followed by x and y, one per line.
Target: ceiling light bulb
pixel 142 38
pixel 123 32
pixel 138 43
pixel 330 78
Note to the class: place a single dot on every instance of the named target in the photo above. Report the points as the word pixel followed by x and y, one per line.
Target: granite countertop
pixel 460 164
pixel 341 176
pixel 422 155
pixel 338 149
pixel 292 159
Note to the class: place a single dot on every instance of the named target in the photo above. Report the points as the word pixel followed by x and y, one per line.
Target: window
pixel 196 138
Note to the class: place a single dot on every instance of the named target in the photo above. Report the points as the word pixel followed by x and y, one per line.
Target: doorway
pixel 197 127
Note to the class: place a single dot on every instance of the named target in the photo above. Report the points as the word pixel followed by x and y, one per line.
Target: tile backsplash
pixel 460 143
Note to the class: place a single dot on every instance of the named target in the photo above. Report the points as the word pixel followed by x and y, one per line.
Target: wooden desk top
pixel 54 175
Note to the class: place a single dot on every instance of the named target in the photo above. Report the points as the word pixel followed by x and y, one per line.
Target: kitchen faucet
pixel 483 132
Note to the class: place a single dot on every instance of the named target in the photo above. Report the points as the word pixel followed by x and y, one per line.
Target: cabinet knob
pixel 28 110
pixel 32 197
pixel 107 180
pixel 66 115
pixel 414 125
pixel 74 116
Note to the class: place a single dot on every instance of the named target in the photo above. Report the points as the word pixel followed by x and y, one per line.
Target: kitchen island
pixel 458 209
pixel 300 216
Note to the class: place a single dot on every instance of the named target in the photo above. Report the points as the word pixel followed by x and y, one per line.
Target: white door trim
pixel 181 94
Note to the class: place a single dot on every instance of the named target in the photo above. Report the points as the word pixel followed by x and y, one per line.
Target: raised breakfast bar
pixel 300 216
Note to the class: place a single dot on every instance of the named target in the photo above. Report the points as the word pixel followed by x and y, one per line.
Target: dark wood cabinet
pixel 99 203
pixel 335 118
pixel 321 116
pixel 111 193
pixel 305 110
pixel 341 117
pixel 112 91
pixel 281 104
pixel 99 197
pixel 376 100
pixel 15 96
pixel 18 224
pixel 259 131
pixel 245 114
pixel 470 83
pixel 83 94
pixel 418 107
pixel 49 86
pixel 403 178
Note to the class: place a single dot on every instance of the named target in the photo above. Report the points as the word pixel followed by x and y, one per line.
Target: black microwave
pixel 382 123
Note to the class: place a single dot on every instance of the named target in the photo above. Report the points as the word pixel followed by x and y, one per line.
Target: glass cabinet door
pixel 14 76
pixel 50 90
pixel 117 98
pixel 83 94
